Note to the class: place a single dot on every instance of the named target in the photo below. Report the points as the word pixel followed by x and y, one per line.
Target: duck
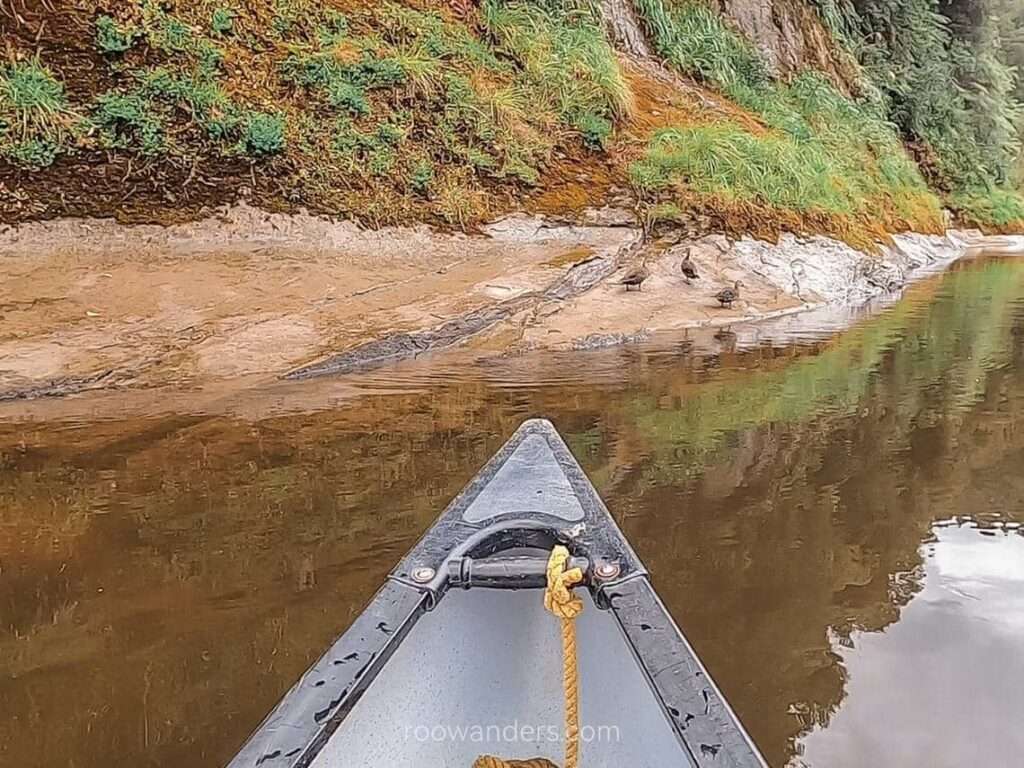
pixel 727 338
pixel 727 296
pixel 636 277
pixel 687 268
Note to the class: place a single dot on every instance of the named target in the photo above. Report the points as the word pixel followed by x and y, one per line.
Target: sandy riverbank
pixel 247 295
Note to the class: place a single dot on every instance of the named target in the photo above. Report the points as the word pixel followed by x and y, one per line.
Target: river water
pixel 833 521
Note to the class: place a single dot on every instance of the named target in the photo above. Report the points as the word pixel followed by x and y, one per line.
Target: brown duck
pixel 727 296
pixel 688 269
pixel 636 277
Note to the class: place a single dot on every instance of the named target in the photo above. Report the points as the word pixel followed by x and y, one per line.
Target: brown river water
pixel 833 521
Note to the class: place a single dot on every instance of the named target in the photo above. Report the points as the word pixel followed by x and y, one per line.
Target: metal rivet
pixel 607 570
pixel 423 575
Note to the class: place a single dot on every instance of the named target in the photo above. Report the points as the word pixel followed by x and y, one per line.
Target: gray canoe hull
pixel 430 675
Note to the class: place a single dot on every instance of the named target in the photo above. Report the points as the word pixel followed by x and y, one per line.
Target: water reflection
pixel 938 688
pixel 163 578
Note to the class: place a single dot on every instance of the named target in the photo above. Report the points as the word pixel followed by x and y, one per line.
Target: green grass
pixel 392 111
pixel 822 152
pixel 568 60
pixel 997 208
pixel 130 121
pixel 694 39
pixel 397 111
pixel 37 123
pixel 491 108
pixel 725 158
pixel 182 106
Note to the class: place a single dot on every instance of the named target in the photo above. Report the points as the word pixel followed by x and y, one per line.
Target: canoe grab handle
pixel 506 572
pixel 499 556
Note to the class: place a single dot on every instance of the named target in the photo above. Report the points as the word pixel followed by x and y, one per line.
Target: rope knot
pixel 559 598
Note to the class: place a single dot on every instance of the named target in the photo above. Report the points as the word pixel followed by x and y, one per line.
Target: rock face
pixel 791 37
pixel 819 269
pixel 624 27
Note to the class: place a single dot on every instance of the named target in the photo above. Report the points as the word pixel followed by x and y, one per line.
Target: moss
pixel 113 38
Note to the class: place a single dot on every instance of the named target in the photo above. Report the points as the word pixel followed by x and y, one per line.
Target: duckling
pixel 687 268
pixel 636 277
pixel 727 296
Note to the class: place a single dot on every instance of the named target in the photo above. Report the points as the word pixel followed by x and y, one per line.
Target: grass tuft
pixel 566 56
pixel 36 121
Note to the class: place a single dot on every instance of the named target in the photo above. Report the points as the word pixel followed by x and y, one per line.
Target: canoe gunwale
pixel 308 715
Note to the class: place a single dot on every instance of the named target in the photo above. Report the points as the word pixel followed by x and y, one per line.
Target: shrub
pixel 942 74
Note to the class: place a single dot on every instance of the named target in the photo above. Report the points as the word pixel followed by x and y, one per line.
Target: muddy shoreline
pixel 243 295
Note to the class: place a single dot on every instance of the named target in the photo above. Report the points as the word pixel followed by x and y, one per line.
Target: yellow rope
pixel 560 600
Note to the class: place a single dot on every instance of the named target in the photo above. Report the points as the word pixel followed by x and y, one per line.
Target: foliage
pixel 567 58
pixel 824 152
pixel 167 102
pixel 343 69
pixel 942 74
pixel 36 121
pixel 695 39
pixel 396 110
pixel 724 157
